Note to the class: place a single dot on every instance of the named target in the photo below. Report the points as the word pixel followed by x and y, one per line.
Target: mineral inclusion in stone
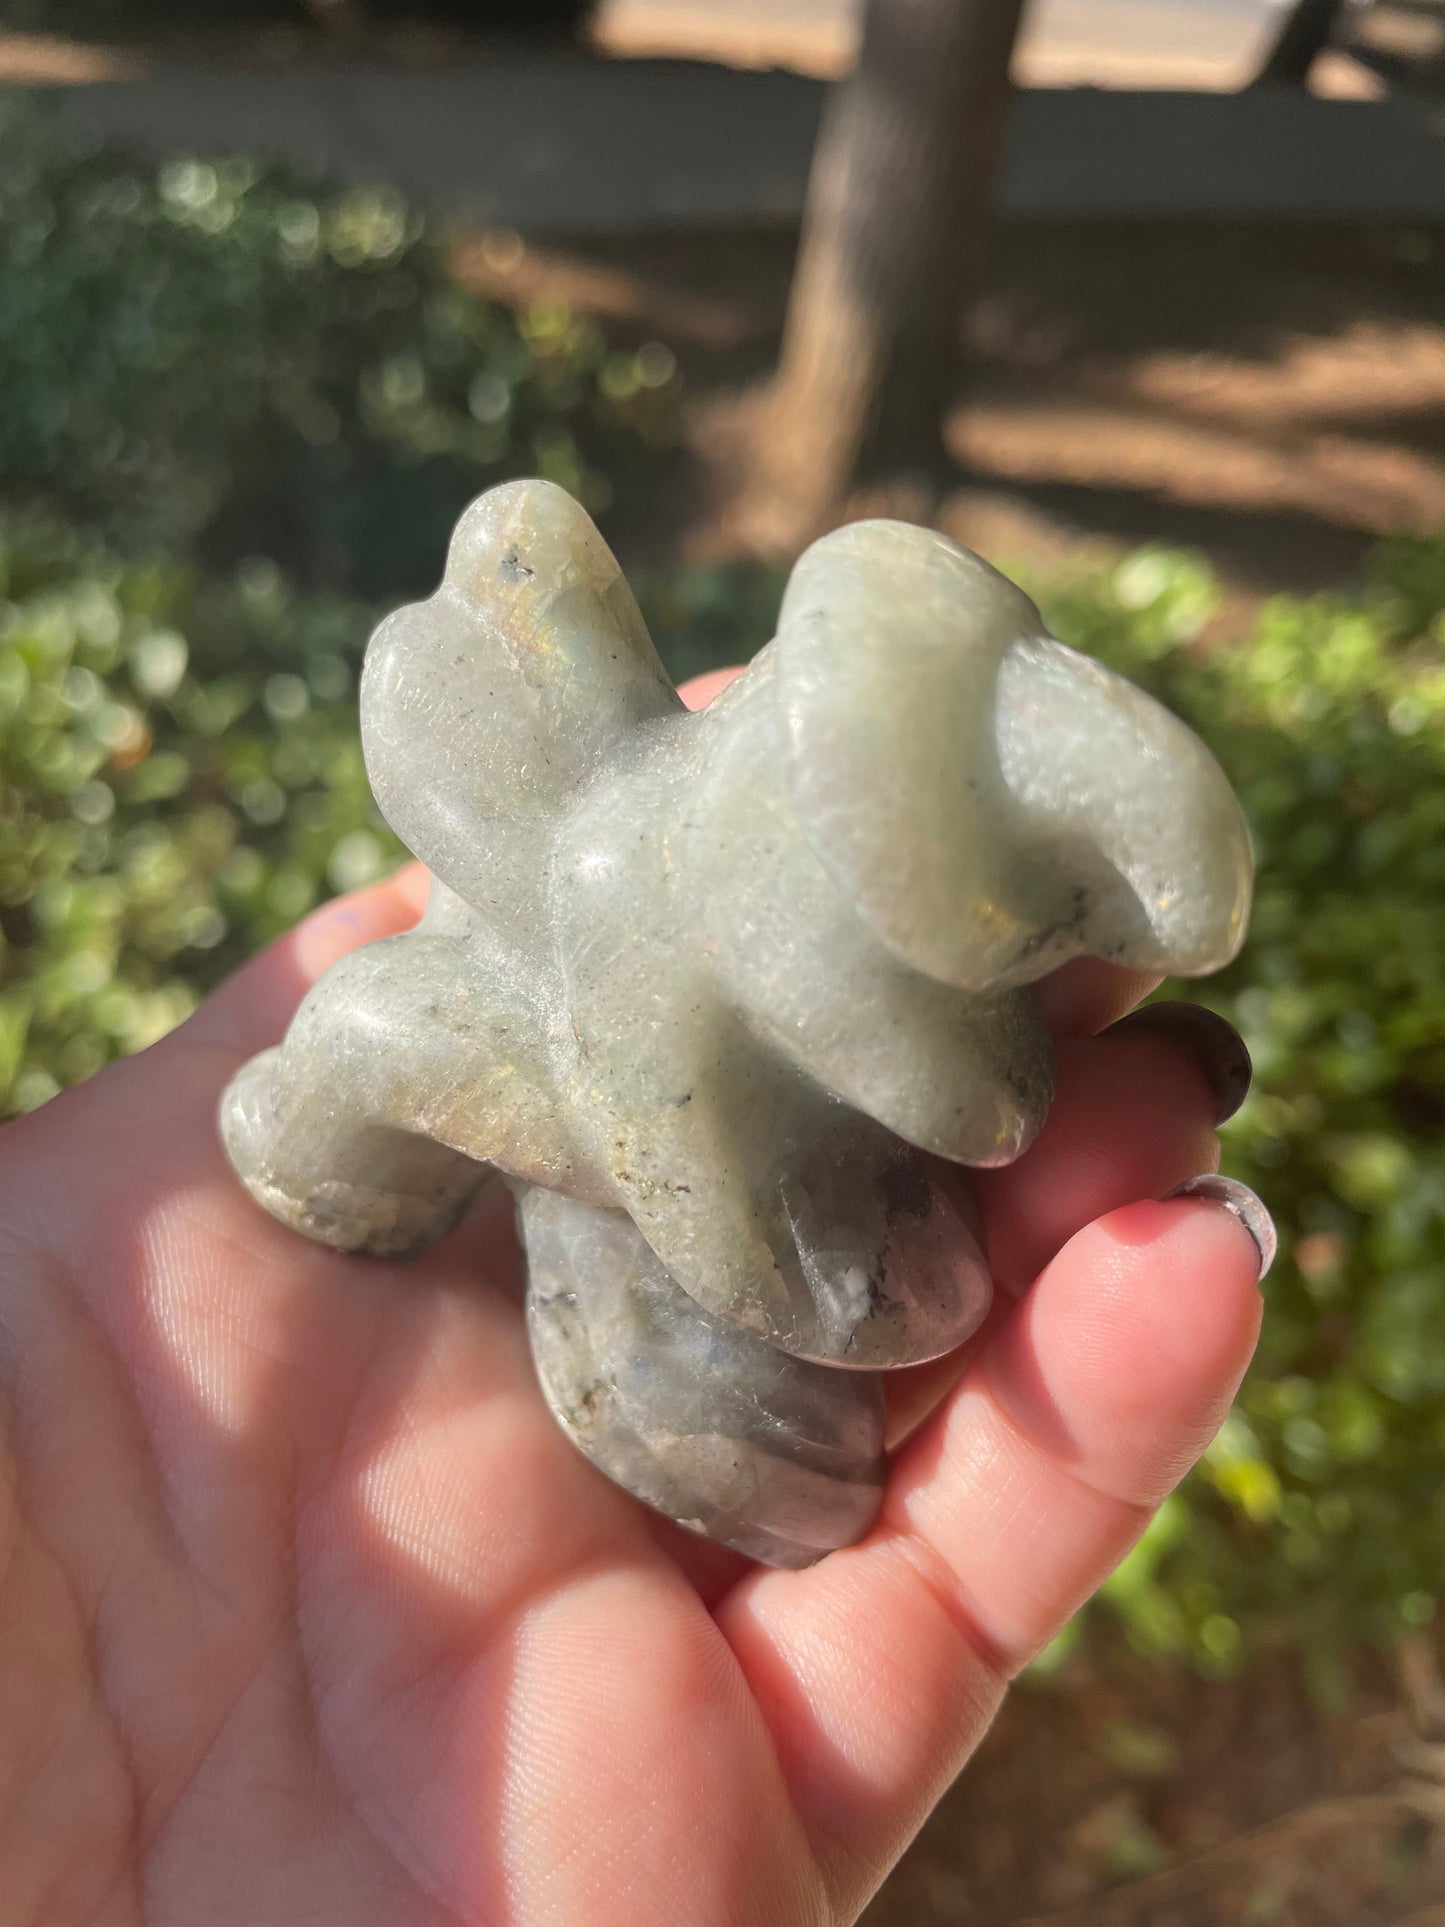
pixel 729 998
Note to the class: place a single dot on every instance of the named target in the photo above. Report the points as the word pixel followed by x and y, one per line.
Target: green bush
pixel 180 778
pixel 1320 1511
pixel 217 358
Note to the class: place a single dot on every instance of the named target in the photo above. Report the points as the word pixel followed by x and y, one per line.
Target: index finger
pixel 253 1007
pixel 878 1670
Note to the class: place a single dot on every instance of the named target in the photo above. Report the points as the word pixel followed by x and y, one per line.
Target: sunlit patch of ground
pixel 1208 44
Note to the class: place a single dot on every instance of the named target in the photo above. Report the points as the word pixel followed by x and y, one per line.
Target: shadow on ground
pixel 1272 395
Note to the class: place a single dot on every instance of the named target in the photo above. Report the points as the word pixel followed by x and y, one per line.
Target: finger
pixel 1086 994
pixel 1133 1115
pixel 699 692
pixel 253 1007
pixel 879 1669
pixel 910 1396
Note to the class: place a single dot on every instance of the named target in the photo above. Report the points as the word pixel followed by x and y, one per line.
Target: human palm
pixel 309 1612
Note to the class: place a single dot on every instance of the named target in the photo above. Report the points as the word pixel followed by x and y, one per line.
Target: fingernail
pixel 1241 1203
pixel 1212 1041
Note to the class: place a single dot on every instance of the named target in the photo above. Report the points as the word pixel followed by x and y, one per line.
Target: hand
pixel 309 1612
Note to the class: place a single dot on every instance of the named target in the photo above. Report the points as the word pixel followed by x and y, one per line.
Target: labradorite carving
pixel 730 998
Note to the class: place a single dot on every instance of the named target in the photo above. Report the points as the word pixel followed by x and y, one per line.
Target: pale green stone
pixel 734 983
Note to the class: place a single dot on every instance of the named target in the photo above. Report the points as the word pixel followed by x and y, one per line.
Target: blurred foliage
pixel 180 779
pixel 1320 1509
pixel 708 616
pixel 216 357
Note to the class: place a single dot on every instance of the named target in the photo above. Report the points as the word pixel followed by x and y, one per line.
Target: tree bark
pixel 1303 37
pixel 896 215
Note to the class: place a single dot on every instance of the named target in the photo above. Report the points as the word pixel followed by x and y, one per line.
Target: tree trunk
pixel 896 216
pixel 1303 37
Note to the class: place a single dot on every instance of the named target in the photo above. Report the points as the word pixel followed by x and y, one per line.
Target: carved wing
pixel 993 802
pixel 484 709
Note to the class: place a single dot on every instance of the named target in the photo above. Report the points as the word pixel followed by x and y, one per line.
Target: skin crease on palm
pixel 309 1613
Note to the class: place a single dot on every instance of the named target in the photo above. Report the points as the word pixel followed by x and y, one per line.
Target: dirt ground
pixel 1271 396
pixel 1119 1796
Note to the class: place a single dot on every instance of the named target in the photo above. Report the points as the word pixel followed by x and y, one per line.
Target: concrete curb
pixel 557 145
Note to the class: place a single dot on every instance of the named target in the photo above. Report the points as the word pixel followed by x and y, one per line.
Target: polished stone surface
pixel 743 987
pixel 729 1435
